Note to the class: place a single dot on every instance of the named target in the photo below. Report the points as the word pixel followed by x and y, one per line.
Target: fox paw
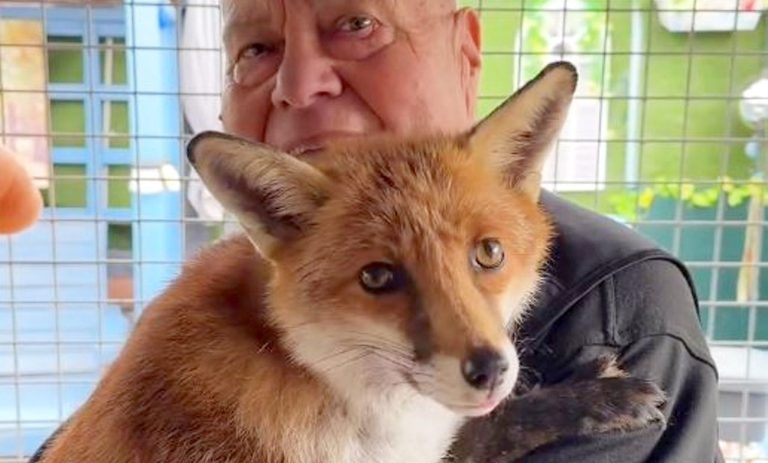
pixel 619 402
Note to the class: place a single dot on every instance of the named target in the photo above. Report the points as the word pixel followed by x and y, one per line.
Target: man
pixel 303 72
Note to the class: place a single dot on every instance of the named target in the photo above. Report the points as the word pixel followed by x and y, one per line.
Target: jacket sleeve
pixel 646 315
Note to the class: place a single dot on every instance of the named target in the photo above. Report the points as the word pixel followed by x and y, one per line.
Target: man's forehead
pixel 239 11
pixel 247 10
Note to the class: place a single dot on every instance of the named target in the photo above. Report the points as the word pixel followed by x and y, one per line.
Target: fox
pixel 366 313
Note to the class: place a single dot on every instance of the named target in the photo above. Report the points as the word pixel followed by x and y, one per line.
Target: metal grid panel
pixel 675 159
pixel 659 144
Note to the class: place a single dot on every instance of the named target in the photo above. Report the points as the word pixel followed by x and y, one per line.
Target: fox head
pixel 402 265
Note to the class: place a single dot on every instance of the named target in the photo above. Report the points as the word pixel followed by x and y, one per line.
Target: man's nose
pixel 306 73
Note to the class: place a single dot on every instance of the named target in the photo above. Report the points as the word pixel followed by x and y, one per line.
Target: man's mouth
pixel 303 150
pixel 317 143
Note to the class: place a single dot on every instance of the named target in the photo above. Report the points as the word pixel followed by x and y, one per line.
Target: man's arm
pixel 646 316
pixel 691 432
pixel 650 322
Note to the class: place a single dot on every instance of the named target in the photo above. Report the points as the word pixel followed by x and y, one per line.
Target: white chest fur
pixel 410 429
pixel 384 420
pixel 414 429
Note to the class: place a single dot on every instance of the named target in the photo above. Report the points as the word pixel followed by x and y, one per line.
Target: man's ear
pixel 518 135
pixel 272 194
pixel 467 23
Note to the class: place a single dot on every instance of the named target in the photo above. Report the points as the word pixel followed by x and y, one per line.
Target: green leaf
pixel 645 200
pixel 700 200
pixel 687 191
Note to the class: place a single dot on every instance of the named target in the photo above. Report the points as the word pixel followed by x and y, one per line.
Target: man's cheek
pixel 244 112
pixel 390 94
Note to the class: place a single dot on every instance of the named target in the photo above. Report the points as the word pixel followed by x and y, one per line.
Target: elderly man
pixel 303 72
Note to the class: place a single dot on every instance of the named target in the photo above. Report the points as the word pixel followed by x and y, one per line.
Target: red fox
pixel 364 315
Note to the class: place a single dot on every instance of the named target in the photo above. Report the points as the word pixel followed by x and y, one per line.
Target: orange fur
pixel 206 362
pixel 424 221
pixel 267 348
pixel 192 371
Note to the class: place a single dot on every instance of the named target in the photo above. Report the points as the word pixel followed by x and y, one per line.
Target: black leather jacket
pixel 611 291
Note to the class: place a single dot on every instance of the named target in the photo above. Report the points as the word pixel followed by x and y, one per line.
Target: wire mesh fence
pixel 668 134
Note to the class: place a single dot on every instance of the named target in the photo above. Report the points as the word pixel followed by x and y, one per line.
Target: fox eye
pixel 488 254
pixel 380 277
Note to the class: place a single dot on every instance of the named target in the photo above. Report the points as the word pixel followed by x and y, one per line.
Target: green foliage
pixel 632 204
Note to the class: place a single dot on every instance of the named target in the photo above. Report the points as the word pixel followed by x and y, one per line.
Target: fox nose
pixel 483 368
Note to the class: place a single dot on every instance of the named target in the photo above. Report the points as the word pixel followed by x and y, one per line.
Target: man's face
pixel 303 72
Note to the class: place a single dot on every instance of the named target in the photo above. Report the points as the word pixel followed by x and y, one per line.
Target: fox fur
pixel 267 349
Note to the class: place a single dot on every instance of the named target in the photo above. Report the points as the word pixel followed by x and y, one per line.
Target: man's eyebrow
pixel 239 25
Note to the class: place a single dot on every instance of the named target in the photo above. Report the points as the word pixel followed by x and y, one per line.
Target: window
pixel 115 124
pixel 68 123
pixel 113 63
pixel 120 264
pixel 69 187
pixel 118 193
pixel 65 60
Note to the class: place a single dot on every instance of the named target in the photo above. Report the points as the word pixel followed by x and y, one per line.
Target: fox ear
pixel 272 194
pixel 518 134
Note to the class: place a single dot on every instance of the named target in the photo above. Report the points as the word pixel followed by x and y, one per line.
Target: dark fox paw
pixel 602 367
pixel 616 401
pixel 599 397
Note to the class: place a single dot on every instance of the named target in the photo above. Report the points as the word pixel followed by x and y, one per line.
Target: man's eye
pixel 254 50
pixel 359 24
pixel 248 69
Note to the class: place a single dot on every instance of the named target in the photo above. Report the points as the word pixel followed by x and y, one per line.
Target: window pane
pixel 115 124
pixel 69 181
pixel 65 60
pixel 120 267
pixel 120 240
pixel 68 123
pixel 113 61
pixel 118 194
